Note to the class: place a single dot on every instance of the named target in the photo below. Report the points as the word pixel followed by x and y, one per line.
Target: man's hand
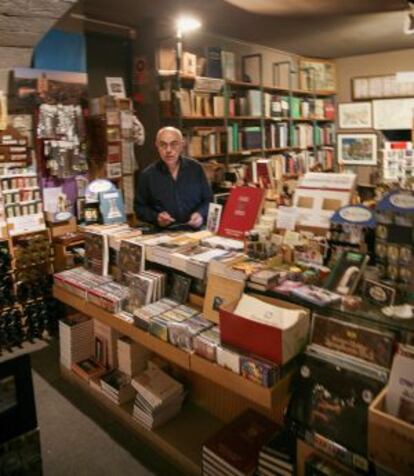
pixel 196 220
pixel 164 219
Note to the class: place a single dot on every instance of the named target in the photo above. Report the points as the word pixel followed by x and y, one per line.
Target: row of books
pixel 249 103
pixel 307 135
pixel 99 290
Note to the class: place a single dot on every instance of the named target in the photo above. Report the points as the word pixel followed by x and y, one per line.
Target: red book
pixel 399 145
pixel 241 212
pixel 236 447
pixel 329 110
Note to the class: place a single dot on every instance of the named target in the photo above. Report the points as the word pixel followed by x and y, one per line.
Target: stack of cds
pixel 159 397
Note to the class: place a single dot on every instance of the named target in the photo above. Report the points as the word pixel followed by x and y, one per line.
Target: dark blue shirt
pixel 158 192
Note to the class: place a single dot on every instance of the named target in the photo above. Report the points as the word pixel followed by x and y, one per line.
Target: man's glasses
pixel 172 145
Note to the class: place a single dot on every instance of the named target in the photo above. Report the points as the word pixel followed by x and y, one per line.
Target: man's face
pixel 170 146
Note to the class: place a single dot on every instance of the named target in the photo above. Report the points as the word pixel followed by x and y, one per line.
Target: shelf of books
pixel 169 352
pixel 177 440
pixel 247 118
pixel 264 397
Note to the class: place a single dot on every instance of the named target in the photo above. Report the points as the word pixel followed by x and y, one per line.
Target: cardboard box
pixel 265 341
pixel 390 440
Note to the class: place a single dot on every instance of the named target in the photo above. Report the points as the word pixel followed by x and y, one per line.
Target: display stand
pixel 221 393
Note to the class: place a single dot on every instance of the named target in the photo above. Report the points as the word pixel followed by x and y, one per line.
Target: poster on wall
pixel 355 115
pixel 393 114
pixel 30 87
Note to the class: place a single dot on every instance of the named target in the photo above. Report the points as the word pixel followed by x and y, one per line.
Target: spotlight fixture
pixel 185 24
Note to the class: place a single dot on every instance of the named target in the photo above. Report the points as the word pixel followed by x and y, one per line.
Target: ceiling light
pixel 186 24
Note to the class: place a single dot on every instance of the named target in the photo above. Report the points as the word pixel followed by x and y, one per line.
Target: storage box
pixel 265 341
pixel 390 440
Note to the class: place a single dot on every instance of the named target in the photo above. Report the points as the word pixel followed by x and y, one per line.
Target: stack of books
pixel 161 252
pixel 278 457
pixel 234 450
pixel 132 357
pixel 76 339
pixel 159 397
pixel 117 387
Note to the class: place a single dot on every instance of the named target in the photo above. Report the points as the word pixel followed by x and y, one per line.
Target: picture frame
pixel 115 87
pixel 355 115
pixel 381 87
pixel 357 149
pixel 17 406
pixel 317 75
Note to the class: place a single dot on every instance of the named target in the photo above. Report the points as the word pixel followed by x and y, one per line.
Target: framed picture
pixel 115 87
pixel 17 407
pixel 357 149
pixel 317 75
pixel 382 86
pixel 355 115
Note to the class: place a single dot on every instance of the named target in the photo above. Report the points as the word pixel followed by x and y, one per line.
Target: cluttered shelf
pixel 173 354
pixel 177 440
pixel 262 396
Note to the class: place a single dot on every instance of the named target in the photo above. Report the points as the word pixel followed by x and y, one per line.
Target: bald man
pixel 173 192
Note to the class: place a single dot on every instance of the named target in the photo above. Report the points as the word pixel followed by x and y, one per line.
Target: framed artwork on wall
pixel 382 86
pixel 357 149
pixel 317 75
pixel 355 115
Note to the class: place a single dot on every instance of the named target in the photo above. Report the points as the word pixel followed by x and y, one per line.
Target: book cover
pixel 238 444
pixel 241 212
pixel 365 343
pixel 180 288
pixel 332 396
pixel 213 67
pixel 111 206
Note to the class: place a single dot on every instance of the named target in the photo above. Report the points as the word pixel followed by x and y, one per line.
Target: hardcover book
pixel 332 396
pixel 111 205
pixel 241 212
pixel 238 444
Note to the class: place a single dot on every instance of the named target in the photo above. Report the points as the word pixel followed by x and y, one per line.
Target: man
pixel 173 192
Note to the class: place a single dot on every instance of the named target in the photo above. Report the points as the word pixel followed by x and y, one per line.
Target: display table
pixel 217 395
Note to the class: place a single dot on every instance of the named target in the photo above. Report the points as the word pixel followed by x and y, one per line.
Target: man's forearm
pixel 146 213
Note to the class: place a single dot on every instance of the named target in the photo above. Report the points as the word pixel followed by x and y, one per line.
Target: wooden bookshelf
pixel 267 398
pixel 180 440
pixel 264 397
pixel 168 351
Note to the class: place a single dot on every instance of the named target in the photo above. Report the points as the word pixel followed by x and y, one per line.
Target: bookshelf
pixel 216 396
pixel 249 121
pixel 177 440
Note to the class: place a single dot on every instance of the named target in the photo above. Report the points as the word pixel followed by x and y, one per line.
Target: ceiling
pixel 319 28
